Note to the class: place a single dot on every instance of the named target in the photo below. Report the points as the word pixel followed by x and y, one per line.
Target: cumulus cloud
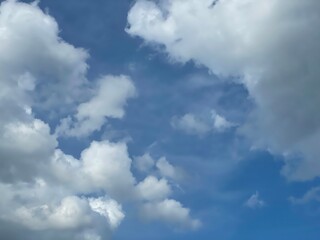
pixel 33 56
pixel 170 211
pixel 43 206
pixel 45 193
pixel 102 166
pixel 144 163
pixel 20 151
pixel 108 208
pixel 153 189
pixel 161 167
pixel 108 100
pixel 255 201
pixel 69 214
pixel 271 46
pixel 166 169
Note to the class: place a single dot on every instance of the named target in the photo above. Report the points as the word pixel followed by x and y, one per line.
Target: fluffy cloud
pixel 153 189
pixel 102 166
pixel 161 167
pixel 108 100
pixel 170 211
pixel 271 46
pixel 166 169
pixel 33 56
pixel 108 208
pixel 255 202
pixel 144 163
pixel 47 194
pixel 45 206
pixel 38 70
pixel 20 149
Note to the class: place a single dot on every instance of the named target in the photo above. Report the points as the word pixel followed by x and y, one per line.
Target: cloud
pixel 190 124
pixel 255 202
pixel 102 166
pixel 19 141
pixel 69 214
pixel 45 193
pixel 56 70
pixel 153 189
pixel 166 169
pixel 108 208
pixel 108 101
pixel 161 167
pixel 199 125
pixel 312 195
pixel 170 211
pixel 144 163
pixel 220 124
pixel 43 206
pixel 270 46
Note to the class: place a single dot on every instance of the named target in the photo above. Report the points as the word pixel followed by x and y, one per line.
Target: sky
pixel 159 119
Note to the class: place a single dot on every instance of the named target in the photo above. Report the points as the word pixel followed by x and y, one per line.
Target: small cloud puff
pixel 255 201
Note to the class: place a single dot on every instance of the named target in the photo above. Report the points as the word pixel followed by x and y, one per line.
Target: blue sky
pixel 159 120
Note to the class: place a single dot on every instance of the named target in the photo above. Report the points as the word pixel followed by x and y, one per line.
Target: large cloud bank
pixel 272 46
pixel 45 193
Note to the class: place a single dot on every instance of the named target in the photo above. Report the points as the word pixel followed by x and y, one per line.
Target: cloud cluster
pixel 156 193
pixel 45 192
pixel 272 47
pixel 161 167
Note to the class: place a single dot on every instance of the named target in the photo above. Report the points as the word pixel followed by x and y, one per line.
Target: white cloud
pixel 161 167
pixel 166 169
pixel 51 202
pixel 170 211
pixel 108 165
pixel 50 79
pixel 190 124
pixel 102 166
pixel 42 188
pixel 108 208
pixel 153 189
pixel 56 69
pixel 20 149
pixel 220 123
pixel 255 201
pixel 108 101
pixel 197 125
pixel 312 195
pixel 272 46
pixel 69 214
pixel 46 205
pixel 144 163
